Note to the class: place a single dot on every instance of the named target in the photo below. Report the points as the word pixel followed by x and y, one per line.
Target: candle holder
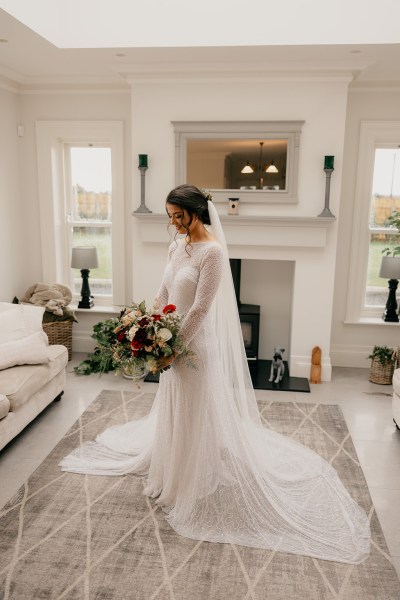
pixel 142 168
pixel 328 168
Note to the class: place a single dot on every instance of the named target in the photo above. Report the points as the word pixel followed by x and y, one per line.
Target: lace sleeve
pixel 161 298
pixel 207 286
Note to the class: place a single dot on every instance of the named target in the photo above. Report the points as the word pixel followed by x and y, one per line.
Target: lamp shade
pixel 390 267
pixel 247 168
pixel 272 168
pixel 84 257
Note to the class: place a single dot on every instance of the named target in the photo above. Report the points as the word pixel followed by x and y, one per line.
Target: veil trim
pixel 229 333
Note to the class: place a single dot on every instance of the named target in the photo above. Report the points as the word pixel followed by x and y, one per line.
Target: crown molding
pixel 278 71
pixel 8 85
pixel 374 86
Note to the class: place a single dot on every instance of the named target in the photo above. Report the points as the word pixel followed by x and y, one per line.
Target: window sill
pixel 372 321
pixel 97 308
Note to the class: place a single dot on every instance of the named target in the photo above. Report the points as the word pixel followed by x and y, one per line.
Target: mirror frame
pixel 290 130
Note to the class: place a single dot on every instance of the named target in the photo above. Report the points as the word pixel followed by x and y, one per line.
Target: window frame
pixel 71 222
pixel 373 135
pixel 51 139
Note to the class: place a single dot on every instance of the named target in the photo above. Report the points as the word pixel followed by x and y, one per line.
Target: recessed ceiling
pixel 181 23
pixel 27 58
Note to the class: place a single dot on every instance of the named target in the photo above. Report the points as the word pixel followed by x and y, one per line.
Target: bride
pixel 218 474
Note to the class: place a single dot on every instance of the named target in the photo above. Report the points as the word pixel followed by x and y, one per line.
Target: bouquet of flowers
pixel 145 336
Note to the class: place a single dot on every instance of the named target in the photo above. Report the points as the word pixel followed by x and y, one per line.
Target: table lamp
pixel 84 258
pixel 390 269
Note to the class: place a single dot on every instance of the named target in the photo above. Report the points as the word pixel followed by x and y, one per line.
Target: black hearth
pixel 249 315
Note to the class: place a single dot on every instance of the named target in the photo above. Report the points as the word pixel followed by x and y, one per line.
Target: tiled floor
pixel 366 407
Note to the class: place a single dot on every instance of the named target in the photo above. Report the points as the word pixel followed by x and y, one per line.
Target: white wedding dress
pixel 218 474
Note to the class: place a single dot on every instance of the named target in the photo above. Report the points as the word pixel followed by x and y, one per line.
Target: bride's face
pixel 179 217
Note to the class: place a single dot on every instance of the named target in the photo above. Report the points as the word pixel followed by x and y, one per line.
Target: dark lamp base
pixel 86 298
pixel 390 315
pixel 86 303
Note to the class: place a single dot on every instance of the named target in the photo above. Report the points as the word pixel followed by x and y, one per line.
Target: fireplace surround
pixel 303 240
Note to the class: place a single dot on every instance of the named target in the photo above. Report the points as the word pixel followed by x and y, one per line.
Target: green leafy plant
pixel 101 359
pixel 383 353
pixel 393 221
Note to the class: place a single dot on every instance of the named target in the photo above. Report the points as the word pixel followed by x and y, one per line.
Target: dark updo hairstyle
pixel 191 199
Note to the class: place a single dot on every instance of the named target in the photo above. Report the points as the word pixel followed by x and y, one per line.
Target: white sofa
pixel 396 398
pixel 32 373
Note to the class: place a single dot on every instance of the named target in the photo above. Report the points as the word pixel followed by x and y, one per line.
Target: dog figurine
pixel 277 366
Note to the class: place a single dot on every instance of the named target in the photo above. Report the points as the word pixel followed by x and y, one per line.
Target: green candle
pixel 328 163
pixel 143 160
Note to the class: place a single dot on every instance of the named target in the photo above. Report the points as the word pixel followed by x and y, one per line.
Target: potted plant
pixel 383 363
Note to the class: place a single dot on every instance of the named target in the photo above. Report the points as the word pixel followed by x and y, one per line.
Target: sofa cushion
pixel 396 381
pixel 30 350
pixel 18 321
pixel 20 383
pixel 4 406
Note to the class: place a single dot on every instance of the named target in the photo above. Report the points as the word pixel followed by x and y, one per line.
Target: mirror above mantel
pixel 254 160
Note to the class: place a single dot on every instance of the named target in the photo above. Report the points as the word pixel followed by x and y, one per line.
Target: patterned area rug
pixel 74 537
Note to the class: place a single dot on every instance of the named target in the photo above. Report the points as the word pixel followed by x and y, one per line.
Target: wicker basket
pixel 60 332
pixel 383 374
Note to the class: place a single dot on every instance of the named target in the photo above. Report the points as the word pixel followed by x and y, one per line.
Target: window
pixel 385 200
pixel 81 201
pixel 377 193
pixel 89 202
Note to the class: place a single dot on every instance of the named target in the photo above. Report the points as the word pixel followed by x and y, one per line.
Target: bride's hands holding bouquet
pixel 149 339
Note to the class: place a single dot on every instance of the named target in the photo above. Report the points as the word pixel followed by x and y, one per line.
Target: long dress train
pixel 217 476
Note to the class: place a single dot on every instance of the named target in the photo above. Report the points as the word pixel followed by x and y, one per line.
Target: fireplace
pixel 304 244
pixel 249 315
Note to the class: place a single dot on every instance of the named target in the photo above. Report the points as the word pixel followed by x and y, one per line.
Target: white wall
pixel 64 106
pixel 20 243
pixel 12 222
pixel 322 105
pixel 351 344
pixel 148 113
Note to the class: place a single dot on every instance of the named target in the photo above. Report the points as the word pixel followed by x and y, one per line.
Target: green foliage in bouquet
pixel 101 359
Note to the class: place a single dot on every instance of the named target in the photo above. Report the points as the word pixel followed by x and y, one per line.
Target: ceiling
pixel 27 59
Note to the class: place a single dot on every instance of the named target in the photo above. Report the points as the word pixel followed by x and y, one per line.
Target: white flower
pixel 128 318
pixel 164 334
pixel 132 331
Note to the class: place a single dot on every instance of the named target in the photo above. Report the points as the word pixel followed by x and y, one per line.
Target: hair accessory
pixel 206 194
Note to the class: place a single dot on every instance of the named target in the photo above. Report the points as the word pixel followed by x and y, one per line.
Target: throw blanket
pixel 54 297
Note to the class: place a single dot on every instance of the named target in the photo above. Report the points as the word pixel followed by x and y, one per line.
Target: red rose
pixel 143 322
pixel 136 345
pixel 121 336
pixel 169 309
pixel 156 317
pixel 140 336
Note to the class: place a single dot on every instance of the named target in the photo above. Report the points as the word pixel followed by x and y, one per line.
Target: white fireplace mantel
pixel 305 241
pixel 288 231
